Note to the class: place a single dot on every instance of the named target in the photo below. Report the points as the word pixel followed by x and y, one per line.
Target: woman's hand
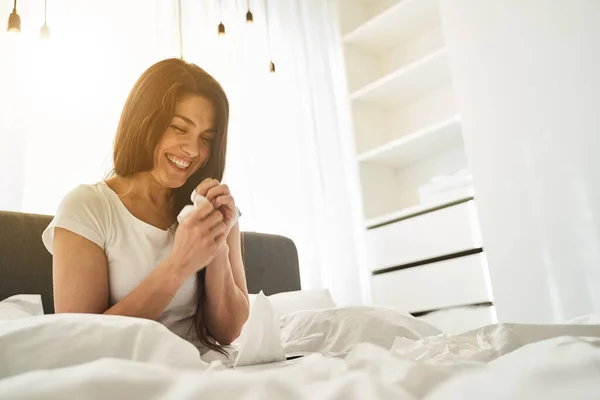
pixel 198 238
pixel 220 197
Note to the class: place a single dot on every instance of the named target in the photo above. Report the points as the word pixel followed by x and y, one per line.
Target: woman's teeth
pixel 180 163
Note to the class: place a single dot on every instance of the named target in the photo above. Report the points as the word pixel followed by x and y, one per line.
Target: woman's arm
pixel 80 276
pixel 227 307
pixel 80 270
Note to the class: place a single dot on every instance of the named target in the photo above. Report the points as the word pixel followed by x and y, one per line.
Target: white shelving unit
pixel 400 21
pixel 409 149
pixel 407 131
pixel 407 82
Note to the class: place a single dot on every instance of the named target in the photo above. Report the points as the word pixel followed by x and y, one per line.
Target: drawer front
pixel 430 235
pixel 462 319
pixel 456 282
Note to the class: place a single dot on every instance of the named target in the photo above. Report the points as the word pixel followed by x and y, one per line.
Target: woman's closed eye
pixel 178 129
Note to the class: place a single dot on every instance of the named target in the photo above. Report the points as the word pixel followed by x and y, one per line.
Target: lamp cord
pixel 180 29
pixel 268 28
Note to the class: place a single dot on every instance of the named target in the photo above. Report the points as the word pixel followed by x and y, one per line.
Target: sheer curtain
pixel 290 149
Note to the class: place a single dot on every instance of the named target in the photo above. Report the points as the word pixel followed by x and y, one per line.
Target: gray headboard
pixel 26 266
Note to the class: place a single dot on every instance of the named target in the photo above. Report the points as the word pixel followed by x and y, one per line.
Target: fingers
pixel 224 201
pixel 205 222
pixel 216 191
pixel 202 211
pixel 218 231
pixel 213 220
pixel 206 185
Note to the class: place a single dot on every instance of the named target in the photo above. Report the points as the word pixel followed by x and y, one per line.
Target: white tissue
pixel 198 199
pixel 261 338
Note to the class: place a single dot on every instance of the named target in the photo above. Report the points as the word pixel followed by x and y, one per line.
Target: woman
pixel 116 245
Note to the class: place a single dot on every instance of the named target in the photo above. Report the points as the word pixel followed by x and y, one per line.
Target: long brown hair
pixel 146 115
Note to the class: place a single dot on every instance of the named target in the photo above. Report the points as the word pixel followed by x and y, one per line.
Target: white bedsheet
pixel 117 357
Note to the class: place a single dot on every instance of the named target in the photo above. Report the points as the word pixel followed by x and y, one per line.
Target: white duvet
pixel 90 356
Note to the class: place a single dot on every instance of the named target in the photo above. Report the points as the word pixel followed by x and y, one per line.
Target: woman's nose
pixel 190 148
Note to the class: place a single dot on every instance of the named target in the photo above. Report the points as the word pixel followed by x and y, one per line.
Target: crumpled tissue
pixel 197 200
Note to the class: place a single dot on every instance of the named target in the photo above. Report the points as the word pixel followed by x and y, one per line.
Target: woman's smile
pixel 179 162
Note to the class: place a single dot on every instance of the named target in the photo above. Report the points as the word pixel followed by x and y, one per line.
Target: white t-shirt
pixel 133 249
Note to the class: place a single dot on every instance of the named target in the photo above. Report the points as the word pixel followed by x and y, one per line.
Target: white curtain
pixel 290 155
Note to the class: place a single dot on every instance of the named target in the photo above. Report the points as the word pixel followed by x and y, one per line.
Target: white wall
pixel 527 78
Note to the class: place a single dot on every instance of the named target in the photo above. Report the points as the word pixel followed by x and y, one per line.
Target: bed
pixel 351 352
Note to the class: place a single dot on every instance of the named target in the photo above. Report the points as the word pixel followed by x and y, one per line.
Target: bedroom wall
pixel 528 87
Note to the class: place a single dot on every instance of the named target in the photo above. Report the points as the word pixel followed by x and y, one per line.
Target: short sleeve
pixel 82 211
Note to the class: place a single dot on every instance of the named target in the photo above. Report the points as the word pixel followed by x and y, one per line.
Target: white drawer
pixel 461 319
pixel 456 282
pixel 430 235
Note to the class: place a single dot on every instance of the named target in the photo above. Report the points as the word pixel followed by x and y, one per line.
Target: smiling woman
pixel 116 246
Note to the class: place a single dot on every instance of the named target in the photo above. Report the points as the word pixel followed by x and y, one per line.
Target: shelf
pixel 403 20
pixel 413 211
pixel 416 146
pixel 407 82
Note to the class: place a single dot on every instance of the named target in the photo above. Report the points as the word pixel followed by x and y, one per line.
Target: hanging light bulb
pixel 221 28
pixel 249 17
pixel 45 30
pixel 14 21
pixel 271 63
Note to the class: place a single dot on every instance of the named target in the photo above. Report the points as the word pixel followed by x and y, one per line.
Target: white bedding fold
pixel 74 356
pixel 61 340
pixel 485 344
pixel 557 368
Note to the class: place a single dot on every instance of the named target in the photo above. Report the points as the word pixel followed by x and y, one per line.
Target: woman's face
pixel 186 144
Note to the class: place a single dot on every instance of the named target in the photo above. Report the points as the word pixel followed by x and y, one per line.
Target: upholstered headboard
pixel 26 266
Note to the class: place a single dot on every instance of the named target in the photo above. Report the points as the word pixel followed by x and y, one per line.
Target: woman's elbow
pixel 234 329
pixel 228 336
pixel 227 339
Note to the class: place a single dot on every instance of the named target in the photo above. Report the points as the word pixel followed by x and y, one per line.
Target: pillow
pixel 21 306
pixel 338 330
pixel 62 340
pixel 289 302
